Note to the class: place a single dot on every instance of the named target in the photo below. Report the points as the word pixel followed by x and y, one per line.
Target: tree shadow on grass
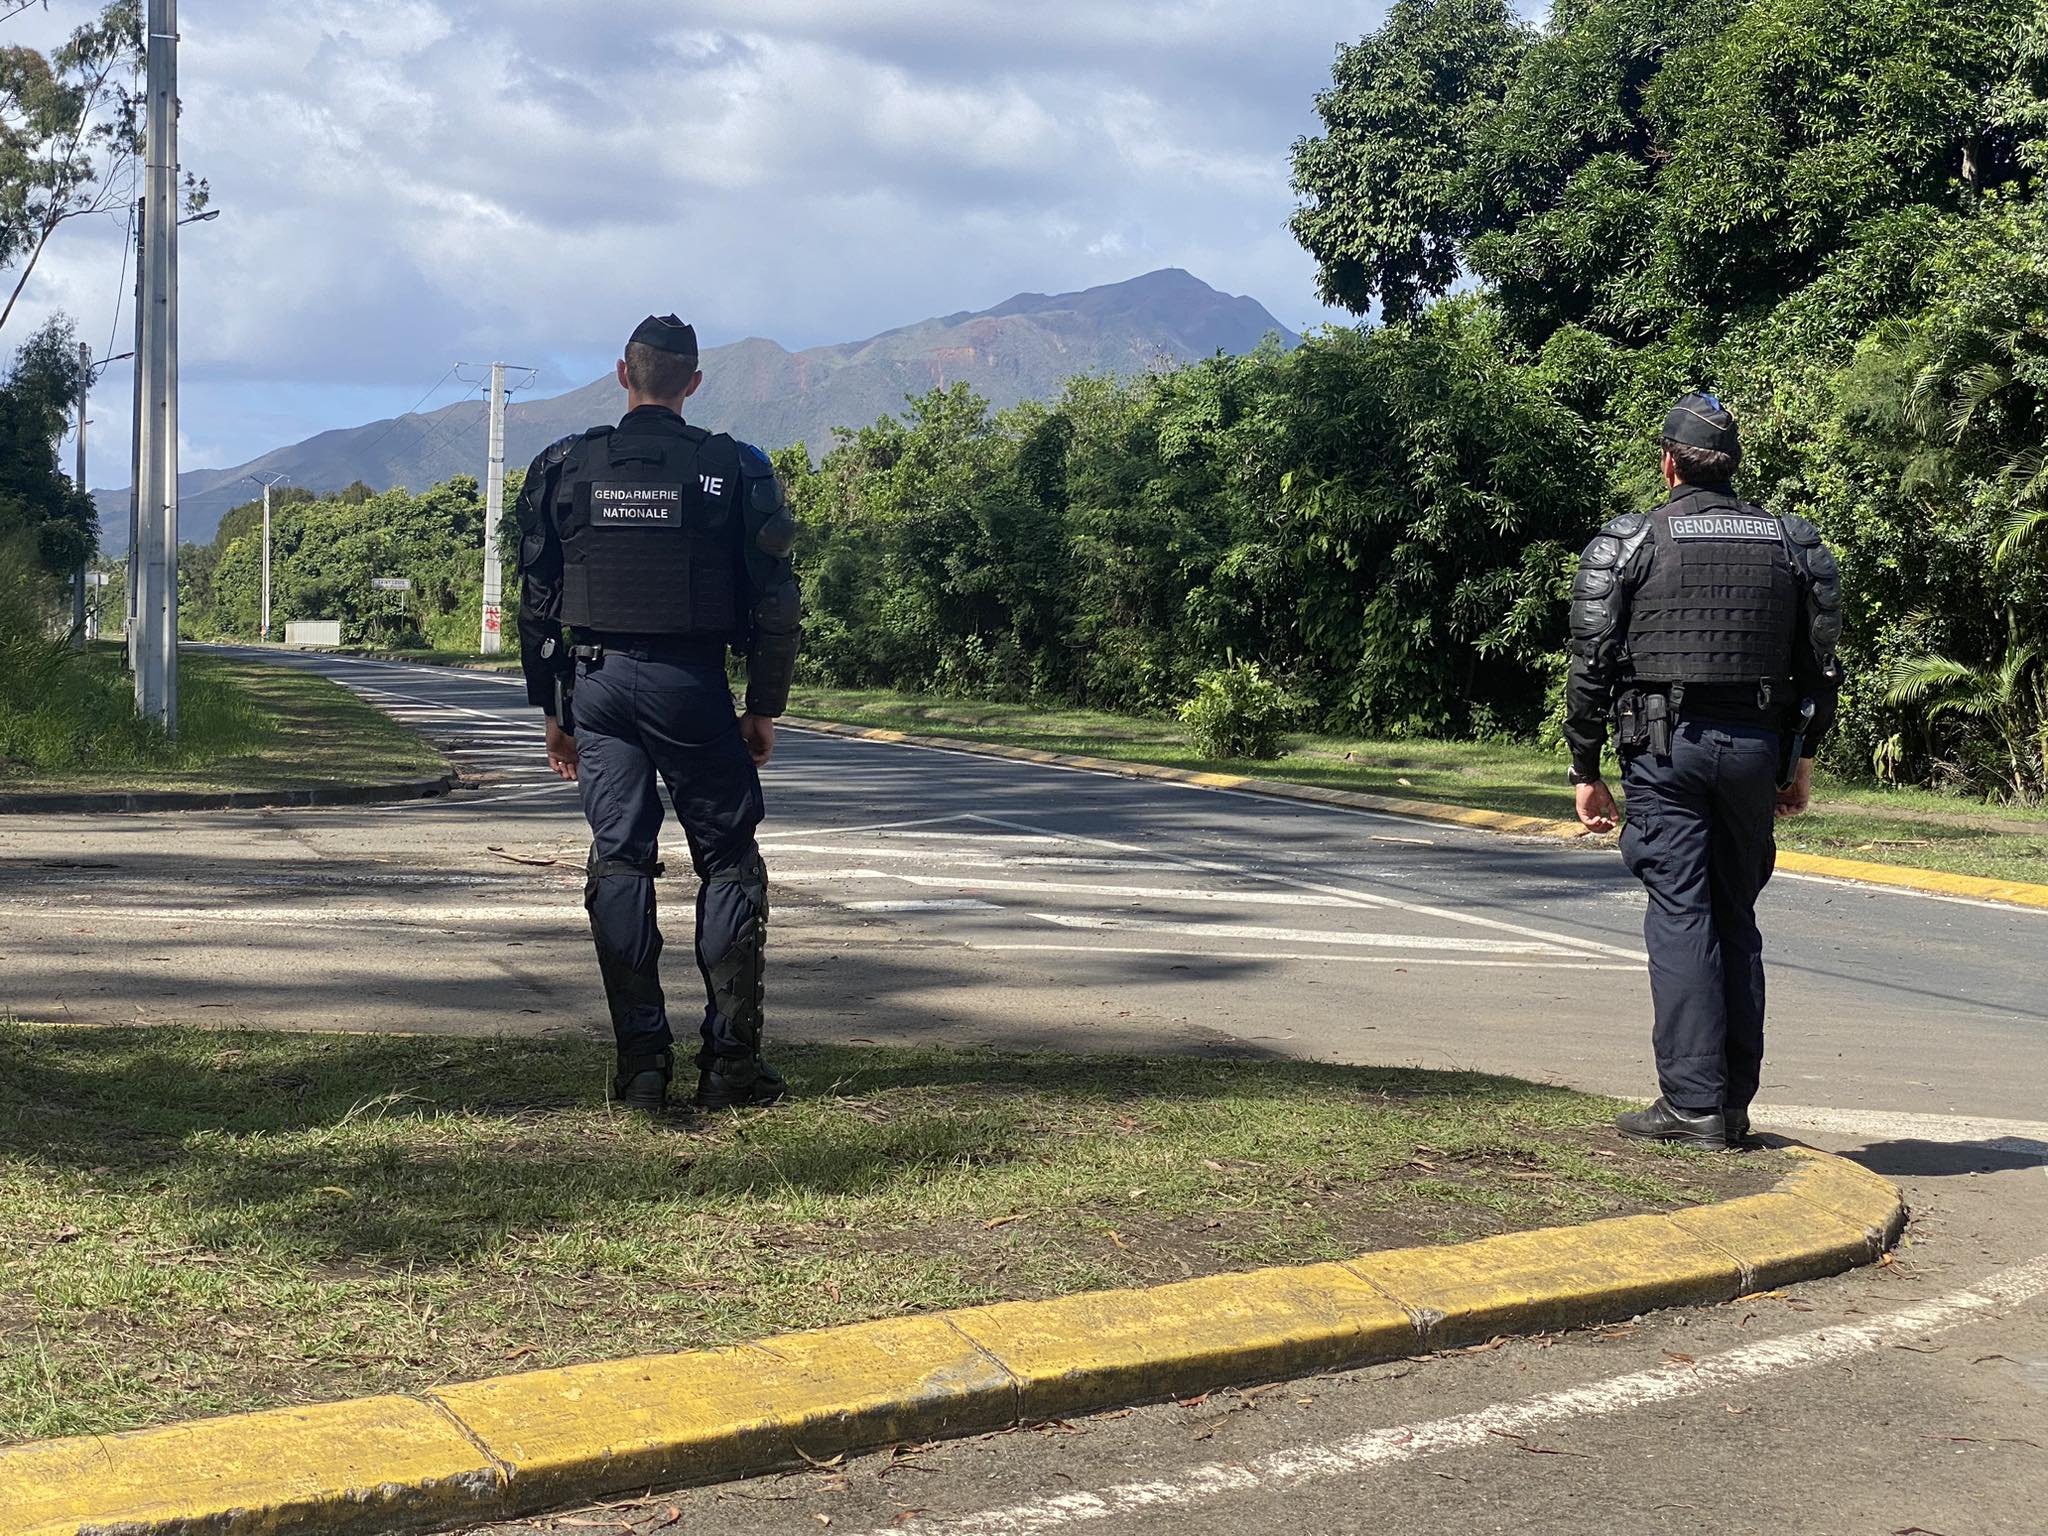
pixel 392 1151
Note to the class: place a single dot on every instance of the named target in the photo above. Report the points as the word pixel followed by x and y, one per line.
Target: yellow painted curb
pixel 516 1444
pixel 1277 789
pixel 698 1417
pixel 372 1465
pixel 1939 882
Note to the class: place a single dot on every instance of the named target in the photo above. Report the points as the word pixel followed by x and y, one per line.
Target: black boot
pixel 641 1082
pixel 1737 1122
pixel 738 1082
pixel 1661 1122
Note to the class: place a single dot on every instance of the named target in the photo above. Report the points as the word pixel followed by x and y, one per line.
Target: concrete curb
pixel 518 1444
pixel 1899 876
pixel 1278 789
pixel 228 800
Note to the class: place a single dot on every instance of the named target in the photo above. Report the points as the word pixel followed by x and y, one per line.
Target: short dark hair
pixel 656 374
pixel 1703 466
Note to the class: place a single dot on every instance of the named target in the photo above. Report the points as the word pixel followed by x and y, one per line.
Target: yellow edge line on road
pixel 1940 882
pixel 1933 881
pixel 516 1444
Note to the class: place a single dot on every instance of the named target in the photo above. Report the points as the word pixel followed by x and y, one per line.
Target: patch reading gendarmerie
pixel 636 506
pixel 1726 527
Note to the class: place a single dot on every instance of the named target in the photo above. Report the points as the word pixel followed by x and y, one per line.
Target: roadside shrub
pixel 1238 711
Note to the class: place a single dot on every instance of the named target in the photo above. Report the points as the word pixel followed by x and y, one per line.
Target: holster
pixel 1631 720
pixel 1794 745
pixel 565 701
pixel 1657 723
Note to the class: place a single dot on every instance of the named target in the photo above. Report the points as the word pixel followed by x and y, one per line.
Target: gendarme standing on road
pixel 659 545
pixel 1704 633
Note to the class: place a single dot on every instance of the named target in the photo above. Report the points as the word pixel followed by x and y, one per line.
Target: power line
pixel 397 420
pixel 121 283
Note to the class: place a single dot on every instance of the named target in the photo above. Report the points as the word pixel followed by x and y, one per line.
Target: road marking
pixel 1487 1427
pixel 1079 888
pixel 977 858
pixel 879 829
pixel 1300 935
pixel 1228 956
pixel 1361 898
pixel 962 904
pixel 1889 1124
pixel 1844 883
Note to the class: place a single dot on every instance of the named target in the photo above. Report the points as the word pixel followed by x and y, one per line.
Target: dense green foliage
pixel 327 550
pixel 1828 211
pixel 1111 546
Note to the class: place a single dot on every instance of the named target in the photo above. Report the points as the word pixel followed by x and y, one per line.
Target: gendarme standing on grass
pixel 1704 632
pixel 659 545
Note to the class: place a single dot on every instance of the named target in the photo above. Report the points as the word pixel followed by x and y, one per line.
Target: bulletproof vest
pixel 651 532
pixel 1720 602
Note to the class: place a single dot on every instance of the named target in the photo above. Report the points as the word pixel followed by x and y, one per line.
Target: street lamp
pixel 266 484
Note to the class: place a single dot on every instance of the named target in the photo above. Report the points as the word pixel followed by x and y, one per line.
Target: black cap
pixel 1702 421
pixel 665 333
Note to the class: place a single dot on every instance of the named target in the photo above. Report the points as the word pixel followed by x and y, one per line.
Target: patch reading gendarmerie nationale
pixel 1726 527
pixel 616 505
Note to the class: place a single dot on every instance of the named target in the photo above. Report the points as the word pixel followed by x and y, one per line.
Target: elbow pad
pixel 1823 580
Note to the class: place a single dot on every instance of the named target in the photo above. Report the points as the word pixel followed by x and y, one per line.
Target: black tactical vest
pixel 649 517
pixel 1720 603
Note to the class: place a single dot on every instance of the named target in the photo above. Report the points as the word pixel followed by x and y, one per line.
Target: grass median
pixel 241 726
pixel 195 1222
pixel 1910 827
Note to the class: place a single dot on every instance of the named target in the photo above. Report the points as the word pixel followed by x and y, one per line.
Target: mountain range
pixel 1024 348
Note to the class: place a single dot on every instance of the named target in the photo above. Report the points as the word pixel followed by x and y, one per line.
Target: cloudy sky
pixel 408 183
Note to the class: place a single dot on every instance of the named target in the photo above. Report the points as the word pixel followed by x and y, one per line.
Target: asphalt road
pixel 937 896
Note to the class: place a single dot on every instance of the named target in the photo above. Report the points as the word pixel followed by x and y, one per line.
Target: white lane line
pixel 963 904
pixel 2010 909
pixel 977 858
pixel 1226 956
pixel 1081 888
pixel 1360 898
pixel 877 828
pixel 1301 935
pixel 314 917
pixel 1487 1427
pixel 1891 1125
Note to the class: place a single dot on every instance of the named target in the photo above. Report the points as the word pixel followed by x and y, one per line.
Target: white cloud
pixel 408 182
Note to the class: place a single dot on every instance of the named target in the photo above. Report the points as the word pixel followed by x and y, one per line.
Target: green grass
pixel 196 1222
pixel 1909 827
pixel 241 726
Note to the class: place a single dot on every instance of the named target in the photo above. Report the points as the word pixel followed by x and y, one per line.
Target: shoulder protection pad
pixel 1800 531
pixel 1626 526
pixel 767 509
pixel 603 429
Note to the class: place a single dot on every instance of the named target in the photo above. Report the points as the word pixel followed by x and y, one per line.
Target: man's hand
pixel 758 732
pixel 1796 797
pixel 1597 810
pixel 562 754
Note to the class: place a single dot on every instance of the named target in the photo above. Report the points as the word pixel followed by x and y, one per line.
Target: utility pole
pixel 78 484
pixel 156 645
pixel 267 484
pixel 129 626
pixel 494 507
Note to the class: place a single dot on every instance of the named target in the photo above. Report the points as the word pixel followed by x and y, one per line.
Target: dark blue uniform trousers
pixel 1699 837
pixel 666 709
